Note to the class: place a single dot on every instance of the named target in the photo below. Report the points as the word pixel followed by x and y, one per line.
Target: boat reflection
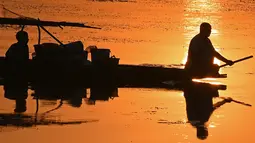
pixel 101 94
pixel 75 96
pixel 198 97
pixel 71 96
pixel 25 120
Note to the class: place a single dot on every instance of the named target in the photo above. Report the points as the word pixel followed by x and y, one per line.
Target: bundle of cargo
pixel 58 62
pixel 52 52
pixel 102 57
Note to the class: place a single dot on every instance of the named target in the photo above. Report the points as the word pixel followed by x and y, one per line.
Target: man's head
pixel 202 132
pixel 22 37
pixel 205 29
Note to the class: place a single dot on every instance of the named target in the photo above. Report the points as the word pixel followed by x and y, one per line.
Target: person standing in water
pixel 201 54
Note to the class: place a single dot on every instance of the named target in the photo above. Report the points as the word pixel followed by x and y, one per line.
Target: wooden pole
pixel 35 22
pixel 239 60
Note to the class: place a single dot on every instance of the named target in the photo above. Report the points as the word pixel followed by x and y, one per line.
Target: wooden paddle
pixel 239 60
pixel 246 104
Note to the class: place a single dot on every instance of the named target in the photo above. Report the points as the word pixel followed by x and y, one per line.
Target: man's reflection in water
pixel 19 94
pixel 199 106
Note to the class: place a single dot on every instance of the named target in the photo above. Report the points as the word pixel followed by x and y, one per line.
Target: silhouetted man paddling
pixel 201 54
pixel 17 58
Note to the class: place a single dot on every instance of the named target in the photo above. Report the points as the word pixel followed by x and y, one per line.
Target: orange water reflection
pixel 134 116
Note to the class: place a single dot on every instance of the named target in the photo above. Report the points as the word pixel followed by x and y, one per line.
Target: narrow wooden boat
pixel 99 74
pixel 67 63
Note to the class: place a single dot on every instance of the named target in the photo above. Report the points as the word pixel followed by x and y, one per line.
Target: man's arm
pixel 220 103
pixel 220 57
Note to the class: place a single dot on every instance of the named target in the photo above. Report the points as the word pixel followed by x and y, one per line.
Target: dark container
pixel 100 55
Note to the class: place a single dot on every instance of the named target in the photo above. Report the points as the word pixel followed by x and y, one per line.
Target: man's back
pixel 17 53
pixel 200 55
pixel 17 58
pixel 201 52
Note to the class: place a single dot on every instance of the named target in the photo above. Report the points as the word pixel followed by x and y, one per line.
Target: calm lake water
pixel 138 32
